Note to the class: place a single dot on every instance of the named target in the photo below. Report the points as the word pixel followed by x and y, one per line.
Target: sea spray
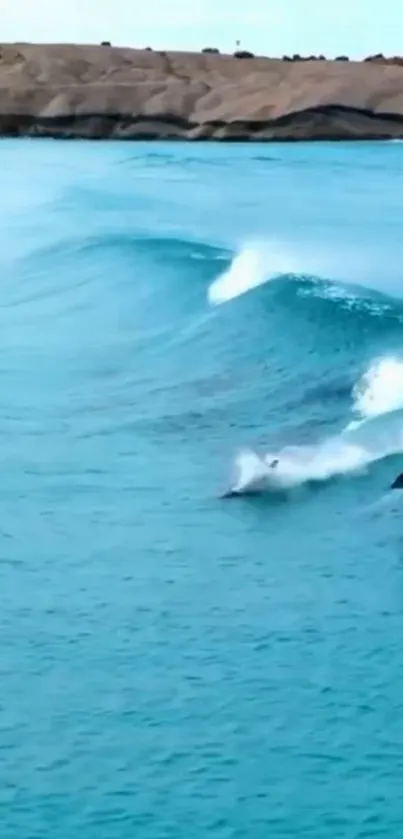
pixel 247 271
pixel 380 390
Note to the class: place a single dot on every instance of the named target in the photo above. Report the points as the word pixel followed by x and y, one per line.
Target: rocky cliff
pixel 109 92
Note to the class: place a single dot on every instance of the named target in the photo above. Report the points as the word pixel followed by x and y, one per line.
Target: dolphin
pixel 398 482
pixel 233 492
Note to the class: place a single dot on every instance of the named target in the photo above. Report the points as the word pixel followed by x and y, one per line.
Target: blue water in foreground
pixel 172 665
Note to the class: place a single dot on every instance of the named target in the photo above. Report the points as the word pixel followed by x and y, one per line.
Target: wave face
pixel 173 319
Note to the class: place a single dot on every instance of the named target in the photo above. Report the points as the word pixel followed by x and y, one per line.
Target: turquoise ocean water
pixel 174 665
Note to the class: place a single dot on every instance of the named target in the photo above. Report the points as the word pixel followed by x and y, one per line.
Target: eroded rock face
pixel 105 91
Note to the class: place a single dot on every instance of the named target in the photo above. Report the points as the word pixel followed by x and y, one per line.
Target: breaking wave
pixel 377 399
pixel 374 428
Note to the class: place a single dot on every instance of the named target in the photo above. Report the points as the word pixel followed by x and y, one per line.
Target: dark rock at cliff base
pixel 97 92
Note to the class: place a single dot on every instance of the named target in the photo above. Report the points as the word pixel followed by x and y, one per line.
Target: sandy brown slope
pixel 94 92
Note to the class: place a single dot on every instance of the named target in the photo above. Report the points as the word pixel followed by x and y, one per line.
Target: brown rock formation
pixel 101 91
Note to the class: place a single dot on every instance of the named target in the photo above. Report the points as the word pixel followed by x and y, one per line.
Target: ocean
pixel 175 665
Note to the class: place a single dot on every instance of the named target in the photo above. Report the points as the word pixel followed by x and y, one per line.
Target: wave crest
pixel 343 263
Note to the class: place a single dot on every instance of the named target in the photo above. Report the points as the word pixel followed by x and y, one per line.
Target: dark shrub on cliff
pixel 148 49
pixel 243 54
pixel 211 51
pixel 377 57
pixel 286 58
pixel 106 44
pixel 342 58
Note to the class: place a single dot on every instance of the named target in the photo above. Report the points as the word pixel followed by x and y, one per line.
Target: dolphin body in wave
pixel 233 492
pixel 398 482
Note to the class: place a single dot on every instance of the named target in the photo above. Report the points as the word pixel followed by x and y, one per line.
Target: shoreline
pixel 104 92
